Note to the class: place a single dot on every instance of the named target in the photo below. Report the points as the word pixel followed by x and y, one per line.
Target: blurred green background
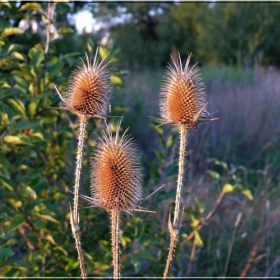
pixel 233 163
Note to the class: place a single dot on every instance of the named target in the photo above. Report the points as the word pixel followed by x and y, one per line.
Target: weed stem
pixel 115 228
pixel 178 213
pixel 75 215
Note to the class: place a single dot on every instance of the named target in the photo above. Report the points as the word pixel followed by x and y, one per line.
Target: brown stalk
pixel 87 95
pixel 116 183
pixel 178 212
pixel 182 103
pixel 115 227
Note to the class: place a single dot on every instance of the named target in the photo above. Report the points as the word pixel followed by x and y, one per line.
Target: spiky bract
pixel 116 175
pixel 182 94
pixel 88 91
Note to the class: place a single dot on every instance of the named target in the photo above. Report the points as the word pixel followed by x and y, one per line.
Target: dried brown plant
pixel 87 95
pixel 116 182
pixel 182 96
pixel 117 179
pixel 182 103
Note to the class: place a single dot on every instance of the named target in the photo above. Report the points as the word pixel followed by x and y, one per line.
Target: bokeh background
pixel 231 193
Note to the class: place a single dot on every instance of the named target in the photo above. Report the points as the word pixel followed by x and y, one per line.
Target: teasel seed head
pixel 182 96
pixel 88 91
pixel 116 178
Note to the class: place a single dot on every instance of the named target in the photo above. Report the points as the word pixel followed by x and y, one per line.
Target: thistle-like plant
pixel 182 103
pixel 116 183
pixel 87 95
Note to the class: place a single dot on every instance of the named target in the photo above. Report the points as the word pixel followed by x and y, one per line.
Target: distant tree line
pixel 241 34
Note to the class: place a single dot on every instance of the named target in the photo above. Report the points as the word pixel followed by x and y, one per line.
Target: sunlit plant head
pixel 116 177
pixel 89 88
pixel 182 96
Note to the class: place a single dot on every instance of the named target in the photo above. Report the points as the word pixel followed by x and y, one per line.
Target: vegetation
pixel 231 189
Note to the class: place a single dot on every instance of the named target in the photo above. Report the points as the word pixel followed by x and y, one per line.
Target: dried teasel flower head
pixel 116 178
pixel 182 96
pixel 88 91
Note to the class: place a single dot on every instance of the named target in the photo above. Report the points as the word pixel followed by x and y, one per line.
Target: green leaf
pixel 55 68
pixel 248 194
pixel 38 135
pixel 65 30
pixel 6 183
pixel 29 192
pixel 170 141
pixel 15 140
pixel 31 6
pixel 15 203
pixel 197 239
pixel 221 163
pixel 5 3
pixel 16 222
pixel 89 45
pixel 50 238
pixel 17 105
pixel 26 124
pixel 25 139
pixel 4 84
pixel 47 217
pixel 103 52
pixel 18 56
pixel 5 252
pixel 195 222
pixel 11 31
pixel 36 56
pixel 63 251
pixel 116 80
pixel 213 174
pixel 14 47
pixel 228 188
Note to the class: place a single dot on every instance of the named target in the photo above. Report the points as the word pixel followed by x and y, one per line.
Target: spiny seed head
pixel 182 94
pixel 88 91
pixel 116 178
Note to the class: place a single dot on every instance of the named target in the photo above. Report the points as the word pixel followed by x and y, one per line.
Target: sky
pixel 85 20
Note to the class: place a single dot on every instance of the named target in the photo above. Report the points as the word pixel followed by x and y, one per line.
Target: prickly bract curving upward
pixel 182 95
pixel 116 177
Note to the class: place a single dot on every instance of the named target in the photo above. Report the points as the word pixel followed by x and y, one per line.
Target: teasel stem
pixel 75 214
pixel 76 230
pixel 115 231
pixel 181 165
pixel 82 131
pixel 179 209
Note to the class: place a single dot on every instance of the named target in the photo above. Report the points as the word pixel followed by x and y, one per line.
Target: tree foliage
pixel 228 33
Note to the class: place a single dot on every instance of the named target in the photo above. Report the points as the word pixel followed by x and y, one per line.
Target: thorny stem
pixel 174 229
pixel 75 214
pixel 182 152
pixel 82 131
pixel 115 228
pixel 75 230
